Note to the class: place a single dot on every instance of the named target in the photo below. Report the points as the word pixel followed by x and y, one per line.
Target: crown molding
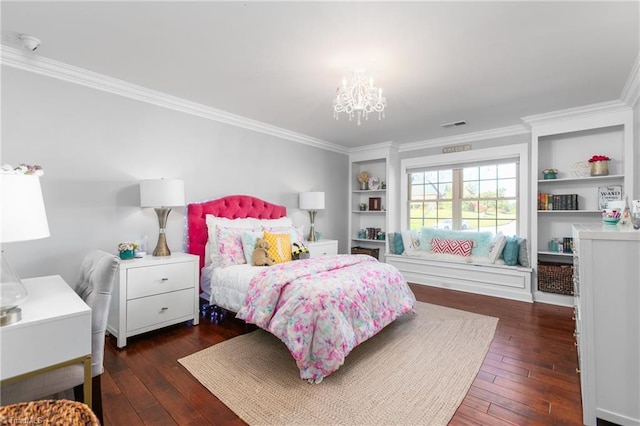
pixel 578 112
pixel 500 132
pixel 631 91
pixel 48 67
pixel 364 148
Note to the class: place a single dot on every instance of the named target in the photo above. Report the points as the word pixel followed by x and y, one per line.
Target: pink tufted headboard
pixel 231 207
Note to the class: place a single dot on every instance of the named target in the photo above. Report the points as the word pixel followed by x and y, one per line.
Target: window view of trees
pixel 476 198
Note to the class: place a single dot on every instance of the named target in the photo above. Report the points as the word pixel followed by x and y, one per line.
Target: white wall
pixel 636 149
pixel 96 146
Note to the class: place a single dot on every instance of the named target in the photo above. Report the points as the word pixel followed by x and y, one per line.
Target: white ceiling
pixel 489 63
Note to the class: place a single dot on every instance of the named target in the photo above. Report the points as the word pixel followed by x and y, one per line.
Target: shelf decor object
pixel 162 194
pixel 127 250
pixel 23 219
pixel 550 173
pixel 312 201
pixel 599 165
pixel 363 179
pixel 607 194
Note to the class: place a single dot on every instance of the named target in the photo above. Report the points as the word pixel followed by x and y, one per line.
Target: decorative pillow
pixel 411 240
pixel 511 251
pixel 523 252
pixel 457 247
pixel 230 246
pixel 279 246
pixel 260 224
pixel 249 239
pixel 482 239
pixel 296 232
pixel 497 245
pixel 212 255
pixel 395 243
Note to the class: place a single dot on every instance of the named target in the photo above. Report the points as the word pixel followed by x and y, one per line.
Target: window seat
pixel 472 275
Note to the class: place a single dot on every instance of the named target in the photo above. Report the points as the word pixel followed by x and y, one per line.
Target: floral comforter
pixel 324 307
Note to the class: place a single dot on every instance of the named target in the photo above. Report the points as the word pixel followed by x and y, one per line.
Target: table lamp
pixel 162 194
pixel 312 201
pixel 23 218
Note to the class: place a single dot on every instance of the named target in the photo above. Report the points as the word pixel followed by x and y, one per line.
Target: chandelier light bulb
pixel 358 98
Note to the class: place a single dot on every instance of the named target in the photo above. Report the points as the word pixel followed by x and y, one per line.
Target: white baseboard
pixel 553 299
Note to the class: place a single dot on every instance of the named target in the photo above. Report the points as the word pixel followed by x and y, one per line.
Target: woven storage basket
pixel 555 278
pixel 374 252
pixel 48 412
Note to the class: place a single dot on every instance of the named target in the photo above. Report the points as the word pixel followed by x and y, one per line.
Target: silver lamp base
pixel 312 231
pixel 10 316
pixel 162 249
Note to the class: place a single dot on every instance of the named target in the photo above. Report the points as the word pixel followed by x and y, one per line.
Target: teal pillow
pixel 395 243
pixel 399 245
pixel 249 239
pixel 511 251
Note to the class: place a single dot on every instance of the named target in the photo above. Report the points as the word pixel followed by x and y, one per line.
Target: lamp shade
pixel 22 213
pixel 311 200
pixel 161 193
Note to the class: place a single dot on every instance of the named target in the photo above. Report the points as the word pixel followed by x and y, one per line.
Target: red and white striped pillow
pixel 457 247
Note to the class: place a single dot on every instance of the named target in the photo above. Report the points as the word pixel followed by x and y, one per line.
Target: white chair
pixel 94 286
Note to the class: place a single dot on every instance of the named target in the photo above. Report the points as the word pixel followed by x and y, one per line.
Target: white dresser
pixel 322 248
pixel 607 305
pixel 153 292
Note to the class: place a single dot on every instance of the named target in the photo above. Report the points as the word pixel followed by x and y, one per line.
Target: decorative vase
pixel 126 254
pixel 599 168
pixel 363 185
pixel 549 176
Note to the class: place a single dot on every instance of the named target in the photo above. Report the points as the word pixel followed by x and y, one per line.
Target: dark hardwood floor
pixel 528 376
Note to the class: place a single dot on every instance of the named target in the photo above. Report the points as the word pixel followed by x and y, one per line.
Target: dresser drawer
pixel 142 282
pixel 158 309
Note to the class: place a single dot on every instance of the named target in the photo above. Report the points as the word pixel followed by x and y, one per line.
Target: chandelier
pixel 358 98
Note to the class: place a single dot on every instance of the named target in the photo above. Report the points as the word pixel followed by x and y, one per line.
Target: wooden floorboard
pixel 528 376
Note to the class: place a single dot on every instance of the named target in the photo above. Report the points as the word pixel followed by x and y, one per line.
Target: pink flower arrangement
pixel 599 158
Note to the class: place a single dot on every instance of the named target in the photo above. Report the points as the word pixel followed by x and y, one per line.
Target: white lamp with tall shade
pixel 312 201
pixel 23 218
pixel 162 194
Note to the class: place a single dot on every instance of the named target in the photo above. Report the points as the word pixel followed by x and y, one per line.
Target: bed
pixel 320 308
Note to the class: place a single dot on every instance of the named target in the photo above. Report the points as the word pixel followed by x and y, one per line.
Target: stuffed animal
pixel 260 254
pixel 299 251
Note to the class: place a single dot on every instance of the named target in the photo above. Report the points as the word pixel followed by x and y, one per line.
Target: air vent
pixel 454 124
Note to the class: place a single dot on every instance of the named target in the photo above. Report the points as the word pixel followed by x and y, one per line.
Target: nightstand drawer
pixel 142 282
pixel 158 309
pixel 322 248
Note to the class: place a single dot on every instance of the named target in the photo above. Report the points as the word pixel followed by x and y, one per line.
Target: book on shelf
pixel 608 193
pixel 557 201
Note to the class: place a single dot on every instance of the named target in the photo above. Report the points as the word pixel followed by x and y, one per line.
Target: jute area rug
pixel 416 371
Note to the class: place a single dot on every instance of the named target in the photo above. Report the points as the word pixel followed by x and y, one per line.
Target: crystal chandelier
pixel 359 98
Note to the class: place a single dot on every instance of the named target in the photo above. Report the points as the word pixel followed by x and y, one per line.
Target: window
pixel 474 196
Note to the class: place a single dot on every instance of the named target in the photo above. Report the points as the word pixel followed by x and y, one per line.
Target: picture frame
pixel 375 203
pixel 608 193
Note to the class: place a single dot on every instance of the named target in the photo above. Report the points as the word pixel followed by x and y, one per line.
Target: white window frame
pixel 519 151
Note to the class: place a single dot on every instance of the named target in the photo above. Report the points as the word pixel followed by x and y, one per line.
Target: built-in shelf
pixel 555 253
pixel 569 211
pixel 368 240
pixel 563 143
pixel 370 211
pixel 370 191
pixel 581 179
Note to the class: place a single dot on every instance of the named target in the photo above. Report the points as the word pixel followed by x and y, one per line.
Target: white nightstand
pixel 153 292
pixel 322 248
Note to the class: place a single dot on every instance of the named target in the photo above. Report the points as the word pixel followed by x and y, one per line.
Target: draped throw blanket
pixel 322 308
